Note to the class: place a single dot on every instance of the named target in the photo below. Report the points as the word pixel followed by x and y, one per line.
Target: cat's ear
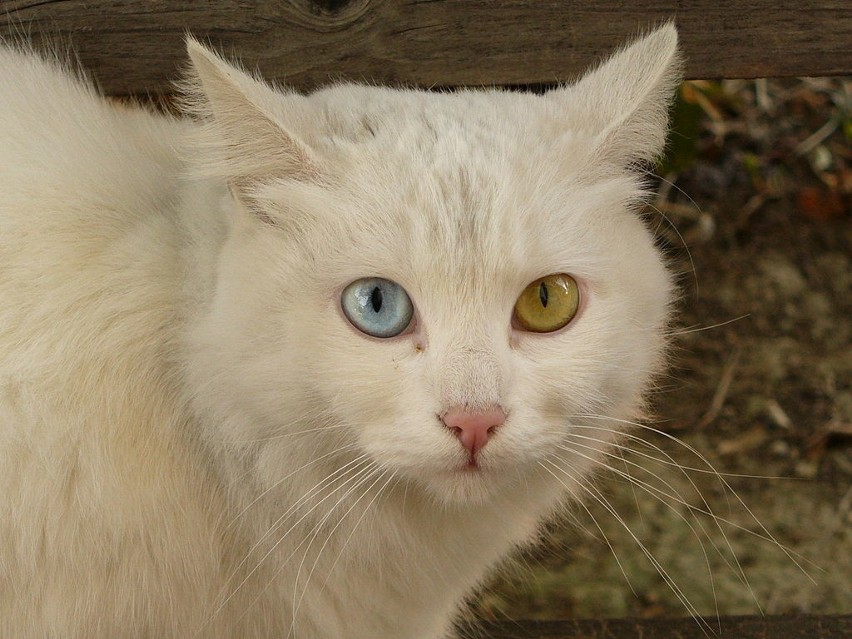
pixel 249 125
pixel 624 102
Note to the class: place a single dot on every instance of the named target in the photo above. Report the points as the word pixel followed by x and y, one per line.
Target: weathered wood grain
pixel 799 627
pixel 135 46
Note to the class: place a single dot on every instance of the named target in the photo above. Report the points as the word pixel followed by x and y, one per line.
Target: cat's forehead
pixel 365 113
pixel 456 187
pixel 431 166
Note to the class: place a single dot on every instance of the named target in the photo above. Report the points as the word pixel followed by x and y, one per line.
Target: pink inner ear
pixel 474 428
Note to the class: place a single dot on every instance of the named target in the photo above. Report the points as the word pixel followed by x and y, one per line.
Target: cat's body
pixel 193 439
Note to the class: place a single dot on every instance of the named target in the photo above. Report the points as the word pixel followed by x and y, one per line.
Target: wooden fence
pixel 136 46
pixel 780 627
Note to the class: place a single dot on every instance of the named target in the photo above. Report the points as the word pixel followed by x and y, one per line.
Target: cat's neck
pixel 365 551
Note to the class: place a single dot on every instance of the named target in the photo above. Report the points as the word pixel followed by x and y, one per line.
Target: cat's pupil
pixel 542 294
pixel 376 299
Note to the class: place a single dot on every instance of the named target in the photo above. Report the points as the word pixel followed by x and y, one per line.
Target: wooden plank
pixel 135 46
pixel 781 627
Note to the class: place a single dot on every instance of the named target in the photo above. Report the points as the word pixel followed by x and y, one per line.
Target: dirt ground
pixel 755 217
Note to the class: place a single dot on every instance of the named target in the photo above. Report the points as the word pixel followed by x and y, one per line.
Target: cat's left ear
pixel 624 102
pixel 250 127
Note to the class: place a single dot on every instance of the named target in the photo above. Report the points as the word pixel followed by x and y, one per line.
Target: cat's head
pixel 380 292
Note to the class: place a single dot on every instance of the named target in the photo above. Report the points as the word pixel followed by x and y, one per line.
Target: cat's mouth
pixel 472 465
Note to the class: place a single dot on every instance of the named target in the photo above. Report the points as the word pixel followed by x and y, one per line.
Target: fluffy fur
pixel 193 439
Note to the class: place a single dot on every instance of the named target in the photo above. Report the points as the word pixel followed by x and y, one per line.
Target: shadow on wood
pixel 795 627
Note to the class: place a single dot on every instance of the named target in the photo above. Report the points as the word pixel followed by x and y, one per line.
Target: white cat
pixel 308 368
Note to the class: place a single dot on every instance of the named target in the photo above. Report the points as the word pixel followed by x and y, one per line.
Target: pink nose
pixel 474 428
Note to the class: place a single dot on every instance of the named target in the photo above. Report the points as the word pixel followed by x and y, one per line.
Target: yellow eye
pixel 548 304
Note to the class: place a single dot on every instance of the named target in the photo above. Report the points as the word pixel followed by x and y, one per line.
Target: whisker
pixel 595 494
pixel 280 481
pixel 316 530
pixel 670 461
pixel 674 228
pixel 672 185
pixel 346 541
pixel 768 535
pixel 392 477
pixel 677 498
pixel 341 472
pixel 261 440
pixel 621 450
pixel 360 477
pixel 696 329
pixel 595 522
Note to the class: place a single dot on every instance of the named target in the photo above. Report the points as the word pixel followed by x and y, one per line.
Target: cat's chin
pixel 466 485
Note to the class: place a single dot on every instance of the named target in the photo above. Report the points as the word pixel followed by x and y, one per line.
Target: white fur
pixel 193 440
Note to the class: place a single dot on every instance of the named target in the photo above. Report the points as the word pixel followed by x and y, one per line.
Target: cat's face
pixel 460 201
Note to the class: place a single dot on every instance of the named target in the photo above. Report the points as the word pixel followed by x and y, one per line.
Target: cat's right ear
pixel 624 102
pixel 248 125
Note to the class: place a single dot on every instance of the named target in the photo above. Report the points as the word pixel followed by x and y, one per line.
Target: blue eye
pixel 377 306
